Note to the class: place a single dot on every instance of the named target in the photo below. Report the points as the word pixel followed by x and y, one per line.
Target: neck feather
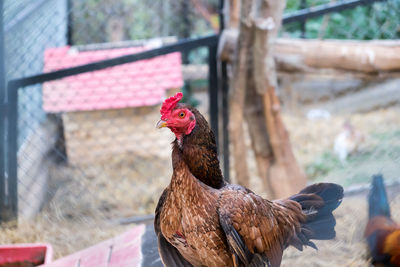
pixel 199 151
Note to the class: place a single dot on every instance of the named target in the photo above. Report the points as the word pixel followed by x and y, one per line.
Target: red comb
pixel 169 104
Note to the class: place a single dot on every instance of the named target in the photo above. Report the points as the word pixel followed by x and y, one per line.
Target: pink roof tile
pixel 123 250
pixel 141 83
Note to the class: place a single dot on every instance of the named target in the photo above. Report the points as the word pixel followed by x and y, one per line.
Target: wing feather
pixel 170 256
pixel 257 230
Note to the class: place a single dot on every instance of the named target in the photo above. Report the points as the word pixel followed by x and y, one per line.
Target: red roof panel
pixel 141 83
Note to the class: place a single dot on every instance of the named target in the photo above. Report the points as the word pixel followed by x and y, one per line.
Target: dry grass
pixel 311 138
pixel 87 203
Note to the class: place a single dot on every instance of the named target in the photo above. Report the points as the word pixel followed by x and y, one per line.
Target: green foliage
pixel 188 95
pixel 377 21
pixel 323 165
pixel 91 19
pixel 293 5
pixel 386 135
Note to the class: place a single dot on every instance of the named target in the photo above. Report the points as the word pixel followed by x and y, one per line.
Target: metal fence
pixel 85 80
pixel 84 167
pixel 92 162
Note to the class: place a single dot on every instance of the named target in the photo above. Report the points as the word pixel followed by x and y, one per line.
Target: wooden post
pixel 237 96
pixel 284 175
pixel 253 94
pixel 234 12
pixel 254 114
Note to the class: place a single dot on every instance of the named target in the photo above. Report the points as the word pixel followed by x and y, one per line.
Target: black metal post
pixel 186 27
pixel 224 89
pixel 225 119
pixel 221 15
pixel 181 46
pixel 316 11
pixel 213 88
pixel 69 22
pixel 2 119
pixel 303 5
pixel 11 203
pixel 185 33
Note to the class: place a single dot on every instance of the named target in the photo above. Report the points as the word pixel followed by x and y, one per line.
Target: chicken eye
pixel 182 115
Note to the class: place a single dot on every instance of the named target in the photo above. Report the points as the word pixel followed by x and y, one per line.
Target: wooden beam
pixel 363 56
pixel 298 55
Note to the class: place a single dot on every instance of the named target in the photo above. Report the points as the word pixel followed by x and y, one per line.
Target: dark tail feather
pixel 317 202
pixel 377 199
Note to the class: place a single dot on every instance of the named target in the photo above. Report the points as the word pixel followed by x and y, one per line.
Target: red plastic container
pixel 25 254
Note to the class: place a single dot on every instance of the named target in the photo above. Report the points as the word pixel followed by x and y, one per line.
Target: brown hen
pixel 203 221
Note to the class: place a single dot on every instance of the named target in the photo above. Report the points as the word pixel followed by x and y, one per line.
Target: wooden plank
pixel 64 262
pixel 123 250
pixel 125 255
pixel 96 256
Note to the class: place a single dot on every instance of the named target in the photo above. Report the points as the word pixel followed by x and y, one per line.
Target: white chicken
pixel 348 141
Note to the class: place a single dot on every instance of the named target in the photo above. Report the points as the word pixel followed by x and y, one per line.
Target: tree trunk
pixel 285 175
pixel 234 7
pixel 254 114
pixel 237 98
pixel 281 172
pixel 253 82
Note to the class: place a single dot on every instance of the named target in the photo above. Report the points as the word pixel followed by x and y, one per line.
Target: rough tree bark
pixel 237 97
pixel 283 173
pixel 254 114
pixel 234 7
pixel 254 80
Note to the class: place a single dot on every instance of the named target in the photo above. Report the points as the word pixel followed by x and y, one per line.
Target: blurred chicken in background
pixel 348 141
pixel 382 233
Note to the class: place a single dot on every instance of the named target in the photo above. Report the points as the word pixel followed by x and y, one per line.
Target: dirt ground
pixel 86 203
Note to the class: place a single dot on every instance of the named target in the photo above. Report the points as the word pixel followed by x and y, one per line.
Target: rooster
pixel 201 220
pixel 382 233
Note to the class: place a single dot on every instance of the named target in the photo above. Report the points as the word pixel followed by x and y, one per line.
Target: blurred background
pixel 80 152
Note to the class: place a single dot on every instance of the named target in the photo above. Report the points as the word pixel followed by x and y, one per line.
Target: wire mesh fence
pixel 378 20
pixel 343 124
pixel 89 154
pixel 344 108
pixel 96 157
pixel 88 151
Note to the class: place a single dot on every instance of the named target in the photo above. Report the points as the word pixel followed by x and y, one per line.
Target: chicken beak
pixel 161 124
